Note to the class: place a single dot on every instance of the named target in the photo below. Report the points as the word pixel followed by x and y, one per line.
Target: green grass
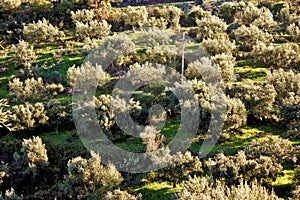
pixel 155 190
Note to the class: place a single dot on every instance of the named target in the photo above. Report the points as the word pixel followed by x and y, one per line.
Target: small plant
pixel 218 45
pixel 83 16
pixel 7 5
pixel 294 30
pixel 236 114
pixel 278 56
pixel 88 177
pixel 27 116
pixel 226 63
pixel 287 86
pixel 210 27
pixel 4 114
pixel 35 151
pixel 42 31
pixel 24 55
pixel 207 188
pixel 93 29
pixel 248 37
pixel 135 17
pixel 154 37
pixel 258 99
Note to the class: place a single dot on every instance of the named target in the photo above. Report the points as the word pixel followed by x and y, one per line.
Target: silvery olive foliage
pixel 88 178
pixel 218 45
pixel 32 89
pixel 182 165
pixel 294 30
pixel 236 114
pixel 83 15
pixel 4 114
pixel 93 29
pixel 234 168
pixel 42 31
pixel 258 99
pixel 135 17
pixel 120 195
pixel 208 189
pixel 24 56
pixel 287 86
pixel 27 116
pixel 35 151
pixel 284 56
pixel 278 149
pixel 226 63
pixel 153 37
pixel 248 37
pixel 210 27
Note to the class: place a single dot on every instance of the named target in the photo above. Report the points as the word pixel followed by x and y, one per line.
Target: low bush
pixel 287 86
pixel 210 27
pixel 226 63
pixel 258 99
pixel 218 45
pixel 88 178
pixel 42 31
pixel 277 56
pixel 236 114
pixel 27 116
pixel 24 56
pixel 93 29
pixel 207 188
pixel 248 37
pixel 32 89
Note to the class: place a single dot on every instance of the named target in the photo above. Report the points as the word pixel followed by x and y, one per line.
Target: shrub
pixel 291 117
pixel 258 99
pixel 278 56
pixel 159 23
pixel 93 29
pixel 151 138
pixel 4 114
pixel 171 14
pixel 197 13
pixel 23 55
pixel 228 10
pixel 41 4
pixel 206 188
pixel 60 114
pixel 265 19
pixel 287 86
pixel 33 89
pixel 250 13
pixel 88 177
pixel 35 150
pixel 29 89
pixel 7 5
pixel 210 27
pixel 278 149
pixel 27 116
pixel 236 114
pixel 153 37
pixel 248 37
pixel 83 16
pixel 84 79
pixel 226 63
pixel 120 195
pixel 218 45
pixel 42 31
pixel 71 75
pixel 182 165
pixel 296 193
pixel 159 54
pixel 294 30
pixel 135 17
pixel 238 167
